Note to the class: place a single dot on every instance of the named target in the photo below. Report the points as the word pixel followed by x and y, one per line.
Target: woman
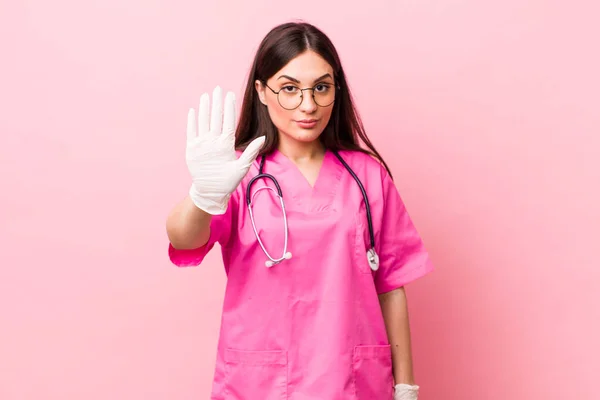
pixel 309 311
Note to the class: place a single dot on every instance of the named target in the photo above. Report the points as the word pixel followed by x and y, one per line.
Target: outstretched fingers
pixel 191 125
pixel 229 116
pixel 216 115
pixel 203 115
pixel 251 152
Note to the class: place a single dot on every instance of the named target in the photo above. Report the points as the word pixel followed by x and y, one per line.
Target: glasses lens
pixel 324 95
pixel 290 100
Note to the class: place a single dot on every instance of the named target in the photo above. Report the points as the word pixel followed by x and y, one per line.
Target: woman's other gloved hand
pixel 403 391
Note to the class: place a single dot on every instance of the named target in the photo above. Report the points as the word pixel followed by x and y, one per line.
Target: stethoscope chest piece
pixel 373 259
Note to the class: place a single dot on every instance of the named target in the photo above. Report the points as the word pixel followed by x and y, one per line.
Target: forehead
pixel 306 67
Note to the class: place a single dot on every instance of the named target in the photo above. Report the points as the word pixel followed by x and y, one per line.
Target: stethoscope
pixel 372 256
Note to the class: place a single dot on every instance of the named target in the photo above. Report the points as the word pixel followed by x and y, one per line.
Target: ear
pixel 260 89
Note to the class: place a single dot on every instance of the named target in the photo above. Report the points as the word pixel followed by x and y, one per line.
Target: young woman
pixel 317 250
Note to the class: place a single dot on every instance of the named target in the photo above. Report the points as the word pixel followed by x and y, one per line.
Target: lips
pixel 307 123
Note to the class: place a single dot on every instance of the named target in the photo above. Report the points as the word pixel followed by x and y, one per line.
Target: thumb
pixel 249 155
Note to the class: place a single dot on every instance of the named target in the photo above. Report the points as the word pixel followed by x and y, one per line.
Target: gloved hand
pixel 403 391
pixel 210 155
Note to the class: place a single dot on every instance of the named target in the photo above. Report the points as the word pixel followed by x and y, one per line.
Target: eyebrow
pixel 297 81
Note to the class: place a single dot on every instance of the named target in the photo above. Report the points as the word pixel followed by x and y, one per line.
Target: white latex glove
pixel 403 391
pixel 210 155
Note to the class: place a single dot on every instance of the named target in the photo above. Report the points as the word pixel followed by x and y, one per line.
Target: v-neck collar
pixel 317 198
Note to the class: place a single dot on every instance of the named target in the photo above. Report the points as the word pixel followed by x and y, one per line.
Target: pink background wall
pixel 487 111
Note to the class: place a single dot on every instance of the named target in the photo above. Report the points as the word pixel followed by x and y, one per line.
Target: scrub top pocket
pixel 254 375
pixel 372 372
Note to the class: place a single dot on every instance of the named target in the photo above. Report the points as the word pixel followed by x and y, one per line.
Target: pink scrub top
pixel 310 327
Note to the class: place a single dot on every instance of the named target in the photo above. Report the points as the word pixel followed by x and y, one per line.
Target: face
pixel 306 122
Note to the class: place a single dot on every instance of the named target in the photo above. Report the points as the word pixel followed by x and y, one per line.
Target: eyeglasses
pixel 290 97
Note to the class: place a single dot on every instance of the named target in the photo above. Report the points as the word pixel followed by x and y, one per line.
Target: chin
pixel 305 135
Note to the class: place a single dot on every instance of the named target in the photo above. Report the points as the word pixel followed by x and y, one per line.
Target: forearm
pixel 188 227
pixel 395 313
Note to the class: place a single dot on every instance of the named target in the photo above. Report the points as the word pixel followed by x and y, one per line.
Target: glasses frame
pixel 336 87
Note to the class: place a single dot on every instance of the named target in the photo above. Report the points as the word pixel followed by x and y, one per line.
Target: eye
pixel 289 89
pixel 322 87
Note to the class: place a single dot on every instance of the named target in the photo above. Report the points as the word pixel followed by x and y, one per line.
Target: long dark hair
pixel 283 43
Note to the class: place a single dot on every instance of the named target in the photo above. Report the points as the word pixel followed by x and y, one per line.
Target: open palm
pixel 211 159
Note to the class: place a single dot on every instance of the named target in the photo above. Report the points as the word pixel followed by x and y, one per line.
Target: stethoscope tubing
pixel 371 254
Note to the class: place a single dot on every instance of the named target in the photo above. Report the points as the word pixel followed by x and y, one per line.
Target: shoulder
pixel 364 165
pixel 373 175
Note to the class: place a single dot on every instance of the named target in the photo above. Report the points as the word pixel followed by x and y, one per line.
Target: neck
pixel 301 151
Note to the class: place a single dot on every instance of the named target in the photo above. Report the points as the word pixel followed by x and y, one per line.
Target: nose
pixel 308 104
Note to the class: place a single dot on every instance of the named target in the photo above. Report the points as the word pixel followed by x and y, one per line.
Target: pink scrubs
pixel 311 327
